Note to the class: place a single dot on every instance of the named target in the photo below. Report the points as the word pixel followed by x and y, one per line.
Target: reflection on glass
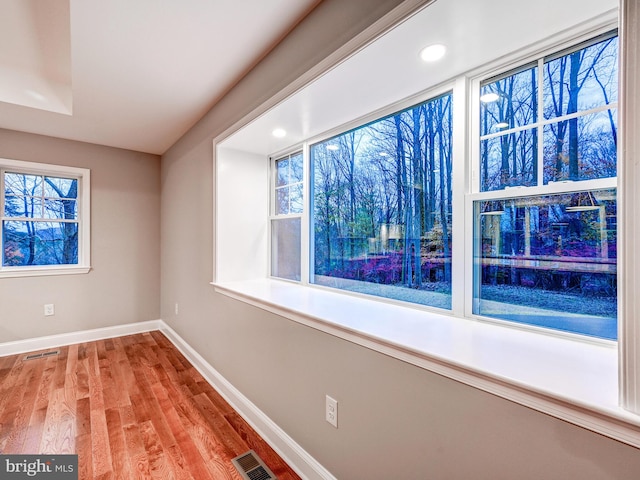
pixel 513 103
pixel 382 207
pixel 581 80
pixel 509 160
pixel 549 261
pixel 285 248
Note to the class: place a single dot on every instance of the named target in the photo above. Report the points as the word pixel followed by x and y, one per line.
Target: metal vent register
pixel 251 467
pixel 33 356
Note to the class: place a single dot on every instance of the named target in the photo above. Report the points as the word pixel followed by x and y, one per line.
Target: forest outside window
pixel 545 229
pixel 381 207
pixel 44 218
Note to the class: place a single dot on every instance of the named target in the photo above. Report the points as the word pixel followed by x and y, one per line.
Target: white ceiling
pixel 390 70
pixel 134 74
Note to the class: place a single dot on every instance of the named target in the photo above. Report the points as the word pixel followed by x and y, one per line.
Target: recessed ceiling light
pixel 384 154
pixel 489 97
pixel 332 147
pixel 502 125
pixel 433 52
pixel 279 133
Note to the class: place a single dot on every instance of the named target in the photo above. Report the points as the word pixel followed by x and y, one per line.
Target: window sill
pixel 13 272
pixel 568 379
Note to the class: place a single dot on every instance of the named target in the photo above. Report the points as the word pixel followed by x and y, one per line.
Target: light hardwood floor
pixel 131 408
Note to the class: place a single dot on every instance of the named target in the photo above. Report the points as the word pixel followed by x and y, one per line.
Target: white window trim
pixel 84 220
pixel 629 192
pixel 593 385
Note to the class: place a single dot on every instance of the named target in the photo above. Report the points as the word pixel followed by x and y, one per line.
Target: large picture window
pixel 382 207
pixel 545 241
pixel 43 217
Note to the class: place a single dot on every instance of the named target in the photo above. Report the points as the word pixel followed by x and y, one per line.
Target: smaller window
pixel 44 213
pixel 287 208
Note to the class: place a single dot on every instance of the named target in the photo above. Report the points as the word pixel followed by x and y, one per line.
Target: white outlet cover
pixel 331 411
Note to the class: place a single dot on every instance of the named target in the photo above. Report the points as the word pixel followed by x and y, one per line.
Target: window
pixel 45 220
pixel 543 215
pixel 545 233
pixel 381 207
pixel 513 212
pixel 286 217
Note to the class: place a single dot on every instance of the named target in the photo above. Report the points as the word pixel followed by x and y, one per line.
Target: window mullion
pixel 305 235
pixel 540 113
pixel 461 170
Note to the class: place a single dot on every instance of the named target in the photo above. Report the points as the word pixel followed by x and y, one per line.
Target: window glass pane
pixel 509 160
pixel 285 248
pixel 60 187
pixel 581 148
pixel 382 207
pixel 23 206
pixel 296 168
pixel 289 197
pixel 21 184
pixel 282 201
pixel 60 209
pixel 581 80
pixel 295 197
pixel 39 243
pixel 549 261
pixel 509 102
pixel 282 172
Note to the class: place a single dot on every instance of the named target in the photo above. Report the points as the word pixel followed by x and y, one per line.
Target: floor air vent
pixel 251 467
pixel 42 355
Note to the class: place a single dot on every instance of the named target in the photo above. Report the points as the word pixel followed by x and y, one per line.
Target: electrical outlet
pixel 49 310
pixel 176 308
pixel 331 411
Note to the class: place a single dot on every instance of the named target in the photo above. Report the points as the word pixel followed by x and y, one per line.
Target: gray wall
pixel 396 420
pixel 123 285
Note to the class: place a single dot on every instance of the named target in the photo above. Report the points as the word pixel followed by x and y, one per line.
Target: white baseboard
pixel 304 464
pixel 53 341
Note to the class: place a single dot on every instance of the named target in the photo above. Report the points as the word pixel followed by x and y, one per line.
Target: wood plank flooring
pixel 131 408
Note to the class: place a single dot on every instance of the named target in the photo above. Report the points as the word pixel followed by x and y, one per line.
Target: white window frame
pixel 273 216
pixel 475 194
pixel 590 384
pixel 84 221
